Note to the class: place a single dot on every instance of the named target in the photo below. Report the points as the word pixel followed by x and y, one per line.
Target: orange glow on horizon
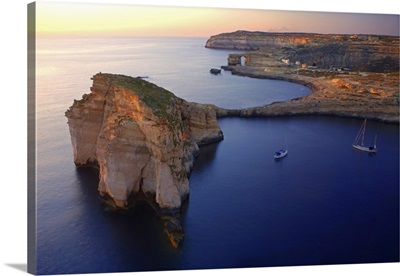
pixel 121 20
pixel 72 19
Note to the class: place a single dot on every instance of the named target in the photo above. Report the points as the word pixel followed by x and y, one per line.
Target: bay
pixel 322 204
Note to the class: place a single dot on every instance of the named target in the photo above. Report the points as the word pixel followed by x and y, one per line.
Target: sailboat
pixel 360 136
pixel 283 152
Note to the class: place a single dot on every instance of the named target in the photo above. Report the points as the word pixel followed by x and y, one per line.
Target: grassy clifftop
pixel 152 95
pixel 160 100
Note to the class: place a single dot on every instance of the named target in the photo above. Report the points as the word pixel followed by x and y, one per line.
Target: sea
pixel 324 203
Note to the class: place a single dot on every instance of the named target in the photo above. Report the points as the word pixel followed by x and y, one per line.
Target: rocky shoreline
pixel 345 96
pixel 337 91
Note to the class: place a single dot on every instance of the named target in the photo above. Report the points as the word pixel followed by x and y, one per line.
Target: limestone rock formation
pixel 371 53
pixel 142 138
pixel 246 40
pixel 349 75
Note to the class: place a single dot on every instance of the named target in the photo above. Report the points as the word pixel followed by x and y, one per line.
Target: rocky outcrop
pixel 349 75
pixel 370 53
pixel 142 138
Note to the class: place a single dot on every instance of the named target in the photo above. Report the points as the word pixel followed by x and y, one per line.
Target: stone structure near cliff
pixel 142 138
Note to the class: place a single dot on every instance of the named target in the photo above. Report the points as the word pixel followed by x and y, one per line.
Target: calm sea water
pixel 322 204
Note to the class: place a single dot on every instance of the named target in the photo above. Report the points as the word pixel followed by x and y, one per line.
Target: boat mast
pixel 361 133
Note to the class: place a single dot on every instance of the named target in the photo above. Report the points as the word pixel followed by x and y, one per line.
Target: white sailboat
pixel 360 136
pixel 283 152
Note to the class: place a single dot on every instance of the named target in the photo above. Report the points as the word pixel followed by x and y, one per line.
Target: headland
pixel 349 75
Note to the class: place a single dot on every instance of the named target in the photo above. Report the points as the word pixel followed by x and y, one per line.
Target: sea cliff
pixel 143 139
pixel 349 75
pixel 372 53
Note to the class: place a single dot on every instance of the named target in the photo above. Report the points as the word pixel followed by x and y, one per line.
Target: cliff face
pixel 142 138
pixel 370 53
pixel 349 75
pixel 245 40
pixel 367 57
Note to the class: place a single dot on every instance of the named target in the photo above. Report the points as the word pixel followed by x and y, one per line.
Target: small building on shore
pixel 237 59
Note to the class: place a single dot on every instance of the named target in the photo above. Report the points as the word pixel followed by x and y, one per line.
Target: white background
pixel 13 183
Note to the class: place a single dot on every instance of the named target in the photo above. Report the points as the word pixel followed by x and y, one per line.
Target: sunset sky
pixel 73 19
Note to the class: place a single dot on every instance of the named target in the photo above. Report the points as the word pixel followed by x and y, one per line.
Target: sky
pixel 77 19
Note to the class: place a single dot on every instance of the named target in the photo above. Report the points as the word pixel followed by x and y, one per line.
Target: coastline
pixel 353 76
pixel 365 95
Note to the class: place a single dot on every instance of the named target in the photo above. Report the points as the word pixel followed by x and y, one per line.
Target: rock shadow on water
pixel 204 161
pixel 206 157
pixel 136 237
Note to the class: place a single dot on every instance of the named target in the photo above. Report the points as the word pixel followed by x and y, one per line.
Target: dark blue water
pixel 324 203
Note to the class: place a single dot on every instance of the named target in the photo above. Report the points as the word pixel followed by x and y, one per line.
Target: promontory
pixel 143 139
pixel 349 75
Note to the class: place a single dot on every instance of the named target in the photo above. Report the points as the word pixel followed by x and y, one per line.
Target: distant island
pixel 349 75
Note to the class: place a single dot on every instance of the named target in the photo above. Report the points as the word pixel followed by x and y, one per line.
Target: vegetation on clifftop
pixel 157 98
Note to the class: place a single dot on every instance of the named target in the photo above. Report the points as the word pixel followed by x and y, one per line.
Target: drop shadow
pixel 20 267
